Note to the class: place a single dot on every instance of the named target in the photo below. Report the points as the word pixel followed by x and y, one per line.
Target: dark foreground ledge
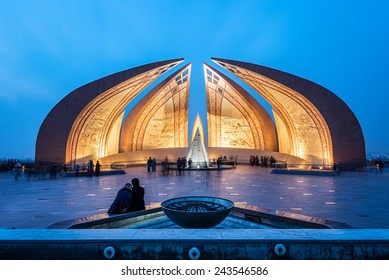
pixel 259 244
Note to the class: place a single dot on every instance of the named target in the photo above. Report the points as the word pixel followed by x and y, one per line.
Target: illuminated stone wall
pixel 160 119
pixel 309 132
pixel 159 131
pixel 286 144
pixel 235 130
pixel 235 119
pixel 312 122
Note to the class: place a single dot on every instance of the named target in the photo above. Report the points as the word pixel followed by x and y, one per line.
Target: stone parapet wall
pixel 259 244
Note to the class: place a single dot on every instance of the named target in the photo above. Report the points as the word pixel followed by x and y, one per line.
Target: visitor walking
pixel 179 166
pixel 154 165
pixel 183 164
pixel 90 167
pixel 149 164
pixel 77 169
pixel 219 163
pixel 53 171
pixel 97 169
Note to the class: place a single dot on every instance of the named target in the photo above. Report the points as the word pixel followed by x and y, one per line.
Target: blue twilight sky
pixel 49 48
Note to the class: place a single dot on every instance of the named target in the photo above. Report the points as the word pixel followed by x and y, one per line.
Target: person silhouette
pixel 179 165
pixel 138 193
pixel 122 201
pixel 97 168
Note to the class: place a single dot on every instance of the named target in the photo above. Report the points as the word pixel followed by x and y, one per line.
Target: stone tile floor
pixel 360 199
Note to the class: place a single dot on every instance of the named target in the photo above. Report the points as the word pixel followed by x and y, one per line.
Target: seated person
pixel 138 193
pixel 123 200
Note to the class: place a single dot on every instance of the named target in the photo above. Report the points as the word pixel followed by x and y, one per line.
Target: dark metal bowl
pixel 197 211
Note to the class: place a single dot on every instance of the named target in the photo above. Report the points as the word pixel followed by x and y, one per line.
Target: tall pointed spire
pixel 197 152
pixel 198 124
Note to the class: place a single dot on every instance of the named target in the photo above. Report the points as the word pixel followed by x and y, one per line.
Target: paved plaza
pixel 360 199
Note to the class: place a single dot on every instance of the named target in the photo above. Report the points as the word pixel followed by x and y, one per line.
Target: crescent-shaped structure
pixel 160 119
pixel 235 118
pixel 312 122
pixel 85 124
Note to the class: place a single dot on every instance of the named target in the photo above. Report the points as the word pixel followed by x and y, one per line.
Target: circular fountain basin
pixel 197 211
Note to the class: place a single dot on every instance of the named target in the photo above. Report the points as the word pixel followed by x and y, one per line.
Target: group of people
pixel 165 166
pixel 219 161
pixel 263 161
pixel 130 198
pixel 151 164
pixel 183 163
pixel 91 168
pixel 52 169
